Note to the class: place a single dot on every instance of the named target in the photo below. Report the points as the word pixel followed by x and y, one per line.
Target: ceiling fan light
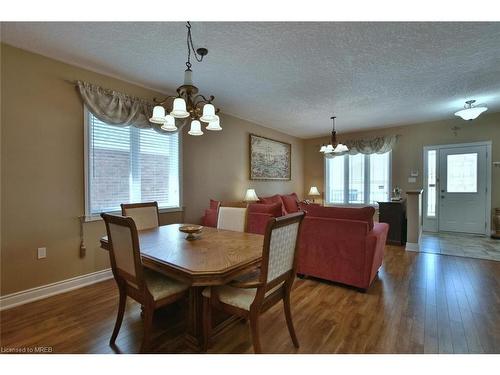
pixel 340 148
pixel 208 113
pixel 158 115
pixel 195 128
pixel 179 108
pixel 169 124
pixel 214 125
pixel 470 113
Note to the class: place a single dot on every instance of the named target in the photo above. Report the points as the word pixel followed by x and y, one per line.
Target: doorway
pixel 457 193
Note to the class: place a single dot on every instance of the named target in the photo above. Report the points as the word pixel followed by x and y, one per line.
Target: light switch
pixel 412 180
pixel 42 252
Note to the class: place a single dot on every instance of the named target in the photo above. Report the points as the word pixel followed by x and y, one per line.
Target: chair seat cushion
pixel 237 297
pixel 161 286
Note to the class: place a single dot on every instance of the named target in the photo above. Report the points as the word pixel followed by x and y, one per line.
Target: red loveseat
pixel 341 244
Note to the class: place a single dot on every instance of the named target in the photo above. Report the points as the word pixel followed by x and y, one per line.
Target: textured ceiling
pixel 293 76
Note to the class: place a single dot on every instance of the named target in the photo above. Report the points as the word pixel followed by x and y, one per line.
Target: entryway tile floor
pixel 462 245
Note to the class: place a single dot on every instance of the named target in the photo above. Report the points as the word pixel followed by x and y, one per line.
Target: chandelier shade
pixel 179 108
pixel 208 113
pixel 469 112
pixel 214 125
pixel 195 128
pixel 158 115
pixel 169 124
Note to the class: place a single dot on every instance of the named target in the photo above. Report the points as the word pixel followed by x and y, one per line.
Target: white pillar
pixel 414 219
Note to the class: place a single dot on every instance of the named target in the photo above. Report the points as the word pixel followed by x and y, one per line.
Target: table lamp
pixel 251 196
pixel 314 192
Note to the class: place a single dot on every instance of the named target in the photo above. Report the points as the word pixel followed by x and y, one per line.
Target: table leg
pixel 194 334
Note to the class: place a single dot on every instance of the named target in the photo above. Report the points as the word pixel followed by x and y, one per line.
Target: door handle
pixel 442 196
pixel 442 191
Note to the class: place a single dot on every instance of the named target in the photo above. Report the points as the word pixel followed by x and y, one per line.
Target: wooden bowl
pixel 191 230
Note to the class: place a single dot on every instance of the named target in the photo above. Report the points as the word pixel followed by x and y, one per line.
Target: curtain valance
pixel 116 108
pixel 379 145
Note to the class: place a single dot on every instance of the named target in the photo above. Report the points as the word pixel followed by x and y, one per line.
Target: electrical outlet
pixel 42 252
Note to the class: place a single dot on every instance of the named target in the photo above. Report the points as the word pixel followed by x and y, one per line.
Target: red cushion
pixel 290 202
pixel 214 204
pixel 271 200
pixel 263 208
pixel 349 213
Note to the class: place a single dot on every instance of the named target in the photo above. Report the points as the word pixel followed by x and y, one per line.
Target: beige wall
pixel 216 166
pixel 42 189
pixel 408 152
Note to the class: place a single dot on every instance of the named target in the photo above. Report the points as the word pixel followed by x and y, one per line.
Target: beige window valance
pixel 379 145
pixel 116 108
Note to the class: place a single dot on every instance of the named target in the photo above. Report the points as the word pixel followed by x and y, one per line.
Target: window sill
pixel 89 218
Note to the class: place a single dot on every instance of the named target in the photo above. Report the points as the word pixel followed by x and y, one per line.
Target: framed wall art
pixel 269 159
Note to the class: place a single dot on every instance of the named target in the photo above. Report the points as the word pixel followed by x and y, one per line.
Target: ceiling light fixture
pixel 469 112
pixel 334 146
pixel 188 104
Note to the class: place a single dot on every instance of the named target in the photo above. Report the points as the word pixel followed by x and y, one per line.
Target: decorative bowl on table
pixel 191 230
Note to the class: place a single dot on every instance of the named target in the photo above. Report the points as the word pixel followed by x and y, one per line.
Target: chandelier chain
pixel 190 47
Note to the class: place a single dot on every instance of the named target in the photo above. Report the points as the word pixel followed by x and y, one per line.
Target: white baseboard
pixel 19 298
pixel 410 246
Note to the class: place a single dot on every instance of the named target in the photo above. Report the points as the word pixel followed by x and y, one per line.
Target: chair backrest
pixel 124 249
pixel 232 217
pixel 279 256
pixel 145 215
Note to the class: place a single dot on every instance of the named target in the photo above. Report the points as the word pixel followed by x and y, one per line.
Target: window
pixel 461 176
pixel 431 183
pixel 127 164
pixel 358 179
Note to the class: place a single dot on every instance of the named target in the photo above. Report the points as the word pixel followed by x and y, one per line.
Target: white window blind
pixel 358 179
pixel 127 164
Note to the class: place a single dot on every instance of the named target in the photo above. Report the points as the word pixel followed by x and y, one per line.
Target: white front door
pixel 463 189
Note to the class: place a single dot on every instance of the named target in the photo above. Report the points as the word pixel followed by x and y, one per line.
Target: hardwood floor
pixel 420 303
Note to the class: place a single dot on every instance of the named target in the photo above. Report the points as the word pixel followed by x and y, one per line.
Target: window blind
pixel 128 164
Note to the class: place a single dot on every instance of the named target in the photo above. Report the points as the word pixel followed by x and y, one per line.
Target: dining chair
pixel 145 215
pixel 249 299
pixel 232 216
pixel 149 288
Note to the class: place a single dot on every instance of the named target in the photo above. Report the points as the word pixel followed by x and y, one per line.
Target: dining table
pixel 214 257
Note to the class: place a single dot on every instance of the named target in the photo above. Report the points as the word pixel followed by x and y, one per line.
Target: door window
pixel 461 173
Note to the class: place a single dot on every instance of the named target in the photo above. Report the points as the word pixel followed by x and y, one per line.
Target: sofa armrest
pixel 375 246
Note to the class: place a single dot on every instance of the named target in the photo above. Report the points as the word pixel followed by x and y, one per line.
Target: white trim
pixel 20 298
pixel 431 224
pixel 410 246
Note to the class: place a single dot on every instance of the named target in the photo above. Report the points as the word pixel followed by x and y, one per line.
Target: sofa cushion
pixel 272 199
pixel 214 204
pixel 291 203
pixel 273 209
pixel 348 213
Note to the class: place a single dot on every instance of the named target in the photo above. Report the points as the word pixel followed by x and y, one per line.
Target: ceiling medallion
pixel 188 104
pixel 334 146
pixel 469 112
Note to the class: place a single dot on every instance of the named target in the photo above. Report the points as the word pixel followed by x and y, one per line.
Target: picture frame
pixel 270 159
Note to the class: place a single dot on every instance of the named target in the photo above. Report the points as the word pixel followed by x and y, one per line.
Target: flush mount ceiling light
pixel 469 112
pixel 188 104
pixel 334 146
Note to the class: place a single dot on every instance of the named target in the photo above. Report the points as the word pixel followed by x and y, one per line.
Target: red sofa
pixel 341 244
pixel 336 243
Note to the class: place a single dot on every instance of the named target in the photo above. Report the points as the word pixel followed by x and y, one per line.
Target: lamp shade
pixel 341 148
pixel 322 149
pixel 179 109
pixel 328 149
pixel 470 113
pixel 208 113
pixel 169 124
pixel 195 128
pixel 251 196
pixel 214 125
pixel 314 191
pixel 158 115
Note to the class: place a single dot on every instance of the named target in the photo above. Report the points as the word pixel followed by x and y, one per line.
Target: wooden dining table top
pixel 213 258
